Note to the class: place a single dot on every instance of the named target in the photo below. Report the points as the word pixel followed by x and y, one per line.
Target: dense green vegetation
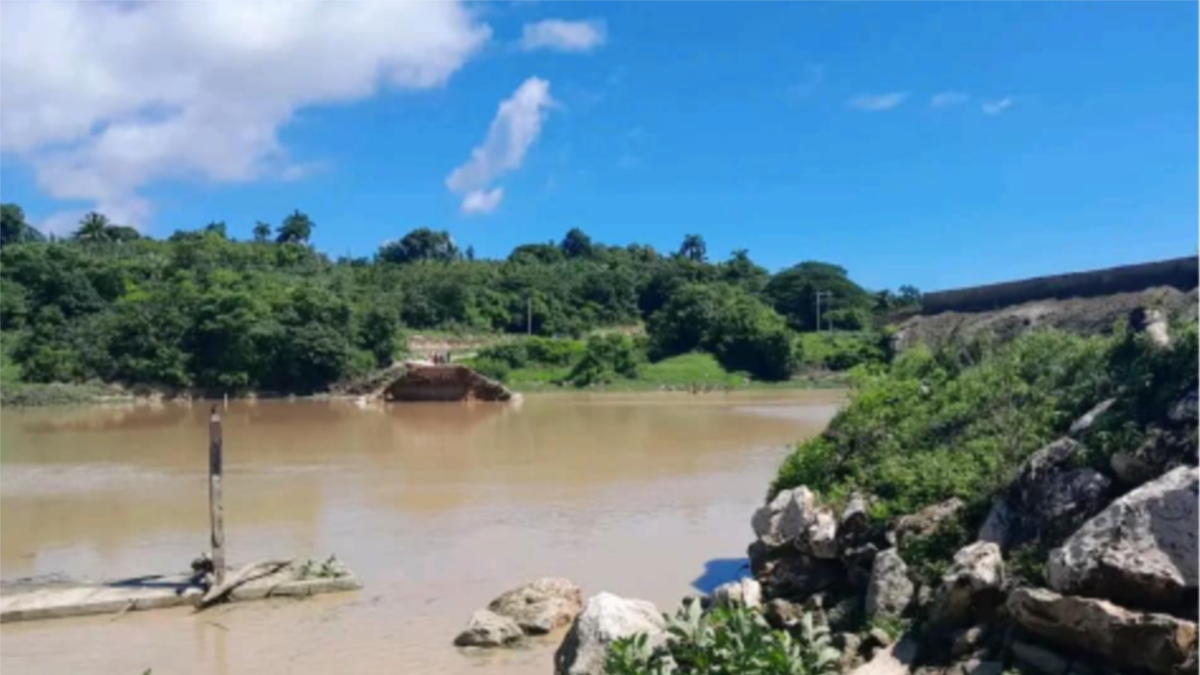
pixel 693 371
pixel 958 423
pixel 202 311
pixel 936 426
pixel 726 641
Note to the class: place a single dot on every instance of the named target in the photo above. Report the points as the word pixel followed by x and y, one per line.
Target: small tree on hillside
pixel 12 223
pixel 420 244
pixel 262 232
pixel 94 227
pixel 694 248
pixel 577 244
pixel 296 228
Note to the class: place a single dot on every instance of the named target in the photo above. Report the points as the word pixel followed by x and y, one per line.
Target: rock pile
pixel 535 608
pixel 1120 576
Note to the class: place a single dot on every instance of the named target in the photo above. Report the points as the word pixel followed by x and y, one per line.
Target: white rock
pixel 744 593
pixel 540 606
pixel 488 629
pixel 889 590
pixel 1140 551
pixel 606 618
pixel 785 518
pixel 1130 640
pixel 821 536
pixel 974 579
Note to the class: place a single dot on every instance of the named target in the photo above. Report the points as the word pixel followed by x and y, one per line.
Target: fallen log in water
pixel 245 575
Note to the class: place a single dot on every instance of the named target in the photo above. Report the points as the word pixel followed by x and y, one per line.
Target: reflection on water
pixel 437 507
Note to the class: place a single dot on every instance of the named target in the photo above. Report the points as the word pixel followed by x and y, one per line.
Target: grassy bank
pixel 26 394
pixel 686 372
pixel 957 423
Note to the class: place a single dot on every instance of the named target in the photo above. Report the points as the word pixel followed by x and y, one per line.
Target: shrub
pixel 511 354
pixel 496 370
pixel 841 351
pixel 952 424
pixel 742 332
pixel 550 352
pixel 606 358
pixel 726 641
pixel 535 351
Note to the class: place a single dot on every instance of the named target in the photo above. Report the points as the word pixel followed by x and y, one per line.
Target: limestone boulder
pixel 1048 500
pixel 488 629
pixel 820 537
pixel 971 587
pixel 854 523
pixel 541 606
pixel 605 619
pixel 889 590
pixel 1140 552
pixel 1158 643
pixel 926 521
pixel 785 518
pixel 741 593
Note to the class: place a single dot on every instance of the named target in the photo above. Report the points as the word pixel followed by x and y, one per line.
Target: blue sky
pixel 935 144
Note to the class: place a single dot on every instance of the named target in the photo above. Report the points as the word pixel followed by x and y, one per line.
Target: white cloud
pixel 513 130
pixel 482 201
pixel 563 36
pixel 947 99
pixel 103 99
pixel 998 106
pixel 878 102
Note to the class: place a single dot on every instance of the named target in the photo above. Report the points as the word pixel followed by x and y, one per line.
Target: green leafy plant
pixel 726 641
pixel 330 568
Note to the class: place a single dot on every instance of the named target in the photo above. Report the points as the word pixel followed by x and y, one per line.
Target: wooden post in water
pixel 215 508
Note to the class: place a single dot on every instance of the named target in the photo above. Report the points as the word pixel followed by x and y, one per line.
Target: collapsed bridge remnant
pixel 414 381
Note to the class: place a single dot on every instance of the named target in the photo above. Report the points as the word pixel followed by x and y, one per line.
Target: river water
pixel 437 508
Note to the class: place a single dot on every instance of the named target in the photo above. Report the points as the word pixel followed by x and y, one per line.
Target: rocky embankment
pixel 1117 591
pixel 1114 592
pixel 1083 562
pixel 1088 316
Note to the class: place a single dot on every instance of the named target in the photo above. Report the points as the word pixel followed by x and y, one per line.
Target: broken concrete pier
pixel 59 597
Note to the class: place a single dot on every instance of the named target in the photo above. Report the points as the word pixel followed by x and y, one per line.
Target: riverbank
pixel 693 373
pixel 36 394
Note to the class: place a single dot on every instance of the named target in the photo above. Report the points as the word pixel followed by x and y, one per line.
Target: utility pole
pixel 216 510
pixel 827 296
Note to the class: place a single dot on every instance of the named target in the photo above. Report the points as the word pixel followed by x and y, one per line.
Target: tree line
pixel 202 310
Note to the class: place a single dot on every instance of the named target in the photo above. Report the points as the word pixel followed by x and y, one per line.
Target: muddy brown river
pixel 437 508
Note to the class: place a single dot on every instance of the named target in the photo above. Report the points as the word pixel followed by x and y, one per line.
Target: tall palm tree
pixel 694 248
pixel 94 227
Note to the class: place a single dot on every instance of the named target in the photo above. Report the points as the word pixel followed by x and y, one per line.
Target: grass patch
pixel 30 394
pixel 545 364
pixel 695 368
